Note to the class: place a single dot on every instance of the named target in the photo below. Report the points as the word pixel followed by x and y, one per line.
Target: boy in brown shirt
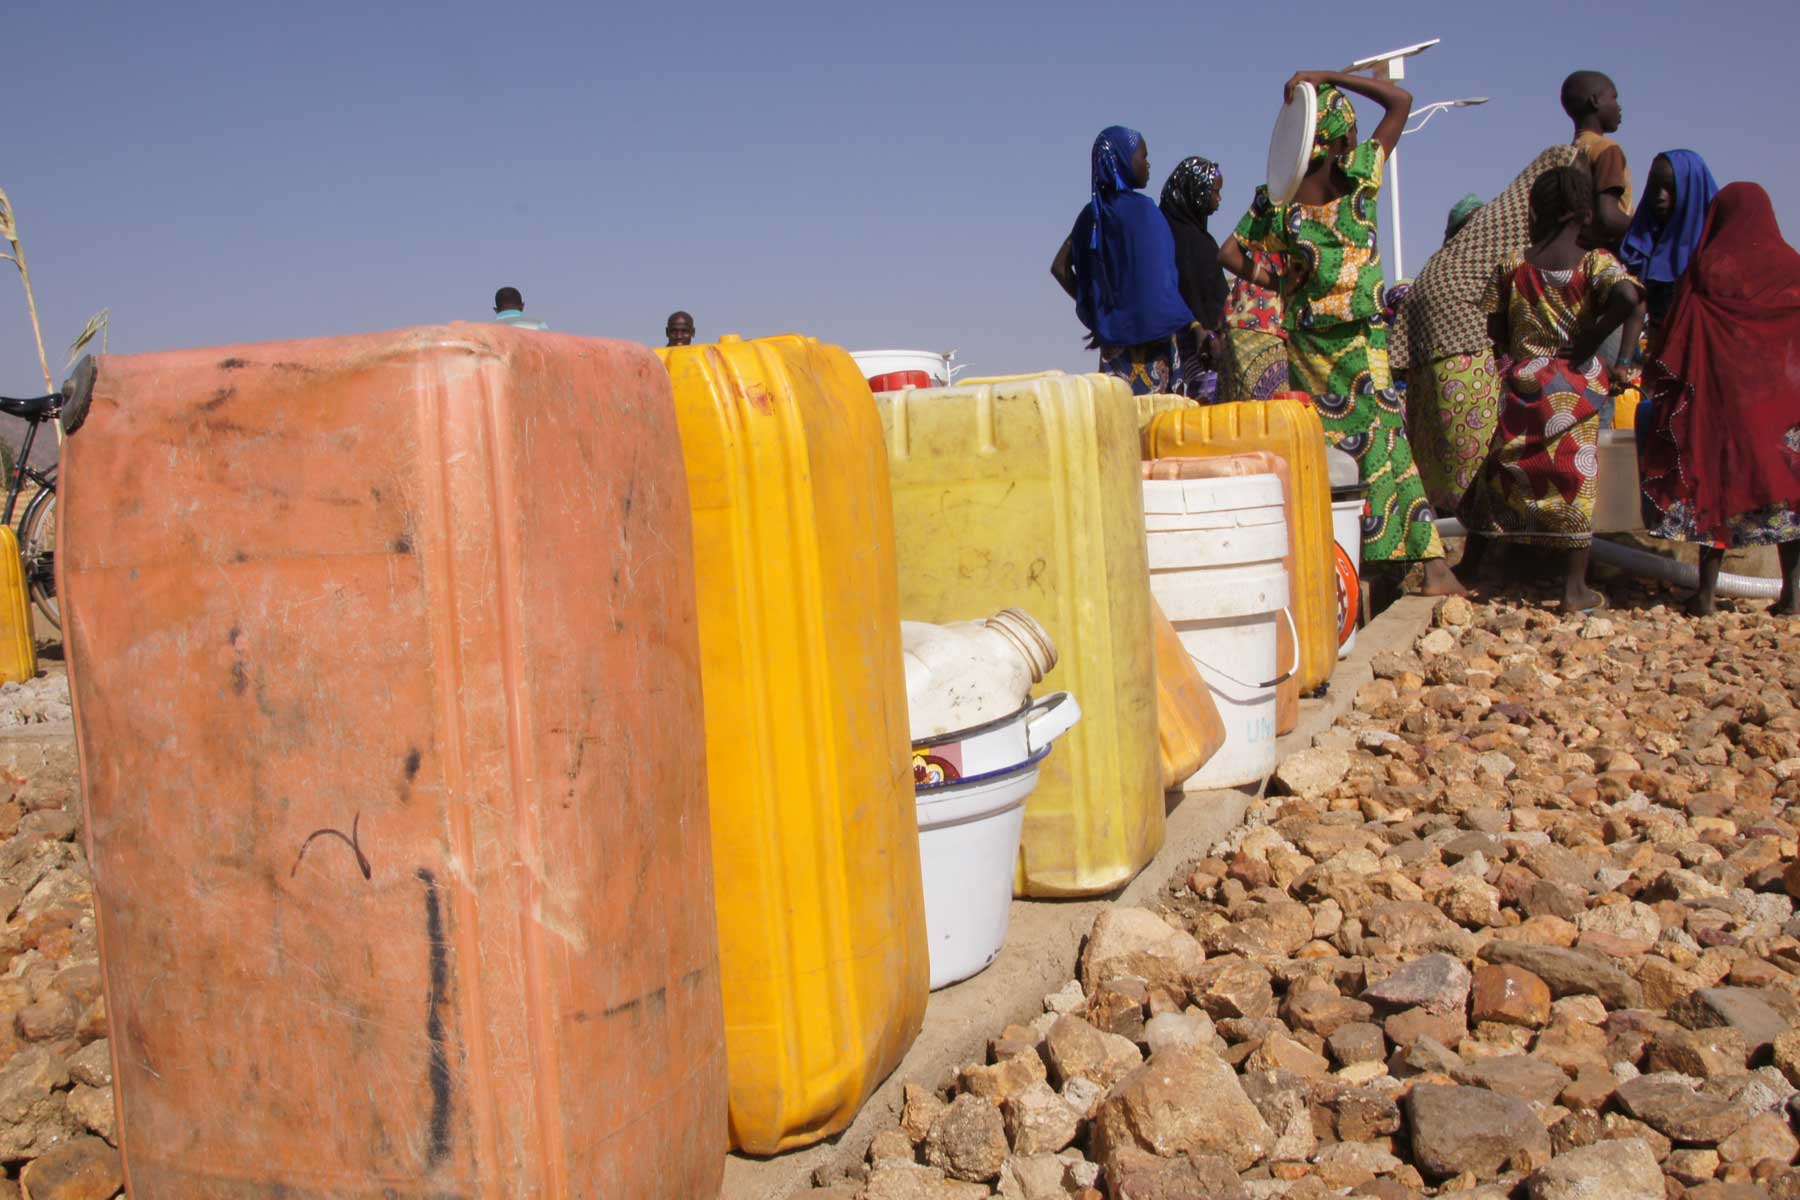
pixel 1592 102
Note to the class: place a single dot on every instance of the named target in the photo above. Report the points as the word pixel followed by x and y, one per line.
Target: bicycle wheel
pixel 37 547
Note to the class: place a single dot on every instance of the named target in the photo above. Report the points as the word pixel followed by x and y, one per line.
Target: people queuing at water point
pixel 1509 347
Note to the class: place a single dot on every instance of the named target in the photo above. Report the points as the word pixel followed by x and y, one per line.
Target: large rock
pixel 1281 1097
pixel 1039 1121
pixel 33 1113
pixel 1675 1110
pixel 1413 927
pixel 1138 1175
pixel 1182 1102
pixel 969 1141
pixel 1510 995
pixel 1457 1129
pixel 1137 942
pixel 1615 1170
pixel 1311 773
pixel 1004 1079
pixel 83 1168
pixel 1761 1138
pixel 1233 987
pixel 1077 1050
pixel 1569 972
pixel 1436 983
pixel 918 1183
pixel 1743 1009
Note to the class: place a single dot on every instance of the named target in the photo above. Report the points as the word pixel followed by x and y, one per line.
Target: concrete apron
pixel 1045 936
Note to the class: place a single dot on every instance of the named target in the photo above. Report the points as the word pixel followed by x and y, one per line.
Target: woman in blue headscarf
pixel 1118 265
pixel 1667 226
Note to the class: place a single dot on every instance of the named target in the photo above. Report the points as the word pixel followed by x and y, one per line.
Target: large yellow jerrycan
pixel 1291 429
pixel 815 841
pixel 18 652
pixel 1026 492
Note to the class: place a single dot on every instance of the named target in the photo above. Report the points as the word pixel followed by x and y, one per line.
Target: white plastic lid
pixel 1290 146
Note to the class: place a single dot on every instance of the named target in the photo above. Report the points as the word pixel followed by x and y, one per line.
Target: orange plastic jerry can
pixel 387 694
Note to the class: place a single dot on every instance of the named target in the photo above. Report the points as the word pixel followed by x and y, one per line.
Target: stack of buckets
pixel 1216 549
pixel 972 780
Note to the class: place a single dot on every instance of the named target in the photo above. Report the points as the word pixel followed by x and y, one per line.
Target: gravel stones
pixel 1622 1169
pixel 1457 1129
pixel 1182 1102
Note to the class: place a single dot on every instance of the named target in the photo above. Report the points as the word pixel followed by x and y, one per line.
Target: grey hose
pixel 1655 566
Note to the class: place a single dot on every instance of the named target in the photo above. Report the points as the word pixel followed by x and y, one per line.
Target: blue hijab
pixel 1128 291
pixel 1659 253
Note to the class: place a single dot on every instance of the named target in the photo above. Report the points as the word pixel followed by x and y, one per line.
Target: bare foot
pixel 1701 605
pixel 1582 598
pixel 1785 605
pixel 1440 580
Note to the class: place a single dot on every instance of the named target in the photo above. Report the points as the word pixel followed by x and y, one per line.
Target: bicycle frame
pixel 22 472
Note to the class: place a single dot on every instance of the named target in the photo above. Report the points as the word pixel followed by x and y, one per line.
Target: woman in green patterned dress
pixel 1337 346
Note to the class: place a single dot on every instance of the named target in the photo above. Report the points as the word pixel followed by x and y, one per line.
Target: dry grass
pixel 9 229
pixel 96 324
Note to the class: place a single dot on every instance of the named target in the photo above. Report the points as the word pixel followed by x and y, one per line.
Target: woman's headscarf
pixel 1185 196
pixel 1724 379
pixel 1659 253
pixel 1127 289
pixel 1460 212
pixel 1336 119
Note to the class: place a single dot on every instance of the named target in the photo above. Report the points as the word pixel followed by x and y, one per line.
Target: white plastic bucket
pixel 968 842
pixel 876 363
pixel 1216 549
pixel 1346 528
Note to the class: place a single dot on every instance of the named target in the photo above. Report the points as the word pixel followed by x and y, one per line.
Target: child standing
pixel 1550 307
pixel 1331 293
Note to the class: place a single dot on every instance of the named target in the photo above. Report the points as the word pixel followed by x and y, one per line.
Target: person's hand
pixel 1316 78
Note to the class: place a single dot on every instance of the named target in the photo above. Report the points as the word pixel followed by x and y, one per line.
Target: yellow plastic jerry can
pixel 822 943
pixel 18 654
pixel 1025 492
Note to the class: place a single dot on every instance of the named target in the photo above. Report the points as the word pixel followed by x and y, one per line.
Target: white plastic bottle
pixel 972 672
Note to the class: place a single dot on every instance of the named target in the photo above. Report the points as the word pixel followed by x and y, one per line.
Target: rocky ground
pixel 1521 925
pixel 56 1097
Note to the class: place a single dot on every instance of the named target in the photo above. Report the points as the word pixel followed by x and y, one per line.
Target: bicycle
pixel 37 524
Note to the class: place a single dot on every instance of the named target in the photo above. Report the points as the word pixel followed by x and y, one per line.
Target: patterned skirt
pixel 1344 368
pixel 1149 369
pixel 1452 409
pixel 1253 366
pixel 1538 484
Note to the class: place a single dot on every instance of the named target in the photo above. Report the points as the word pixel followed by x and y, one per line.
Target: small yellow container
pixel 815 841
pixel 1026 492
pixel 1188 727
pixel 1291 429
pixel 18 653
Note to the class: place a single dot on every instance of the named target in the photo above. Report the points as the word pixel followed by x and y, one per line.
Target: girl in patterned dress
pixel 1551 305
pixel 1331 293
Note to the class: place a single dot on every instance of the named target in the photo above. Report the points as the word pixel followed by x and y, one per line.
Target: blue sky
pixel 877 175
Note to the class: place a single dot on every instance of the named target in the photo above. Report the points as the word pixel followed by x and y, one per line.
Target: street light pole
pixel 1392 67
